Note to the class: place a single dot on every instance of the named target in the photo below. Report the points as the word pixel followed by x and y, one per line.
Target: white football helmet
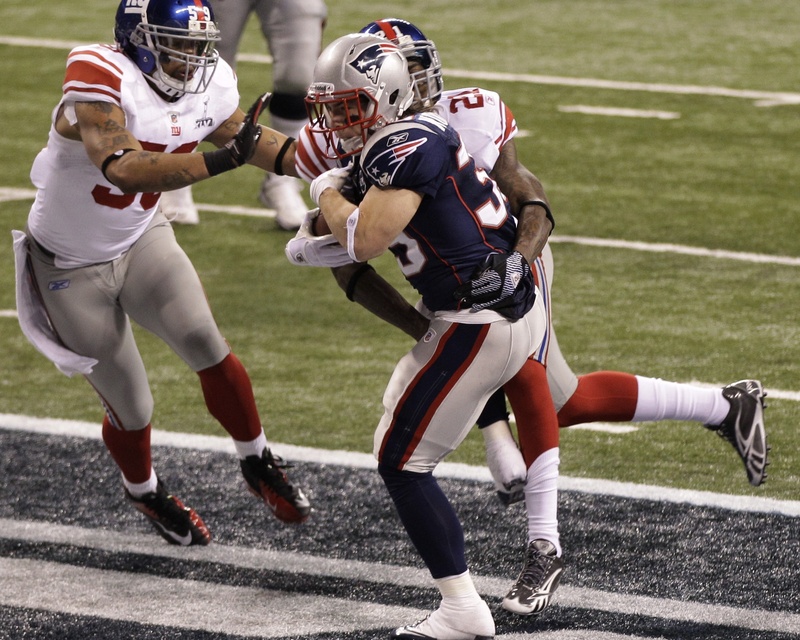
pixel 361 84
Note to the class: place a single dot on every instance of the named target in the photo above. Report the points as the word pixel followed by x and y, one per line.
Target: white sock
pixel 541 498
pixel 455 587
pixel 461 608
pixel 138 489
pixel 503 456
pixel 252 448
pixel 661 400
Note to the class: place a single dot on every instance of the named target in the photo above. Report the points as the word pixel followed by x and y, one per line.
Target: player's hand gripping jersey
pixel 78 214
pixel 463 216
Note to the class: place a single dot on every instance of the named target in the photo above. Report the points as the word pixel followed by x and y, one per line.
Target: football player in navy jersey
pixel 488 129
pixel 414 190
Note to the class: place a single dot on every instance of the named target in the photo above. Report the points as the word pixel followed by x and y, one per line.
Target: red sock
pixel 602 396
pixel 130 450
pixel 537 425
pixel 229 397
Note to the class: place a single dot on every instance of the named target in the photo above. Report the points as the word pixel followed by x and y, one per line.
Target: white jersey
pixel 480 117
pixel 78 214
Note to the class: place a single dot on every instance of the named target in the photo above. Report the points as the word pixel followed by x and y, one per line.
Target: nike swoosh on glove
pixel 503 283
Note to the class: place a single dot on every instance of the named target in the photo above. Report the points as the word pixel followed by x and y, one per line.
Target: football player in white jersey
pixel 487 128
pixel 99 253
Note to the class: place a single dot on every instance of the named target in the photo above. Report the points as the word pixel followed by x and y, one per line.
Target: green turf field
pixel 721 175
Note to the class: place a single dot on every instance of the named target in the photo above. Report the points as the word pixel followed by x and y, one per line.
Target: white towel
pixel 33 318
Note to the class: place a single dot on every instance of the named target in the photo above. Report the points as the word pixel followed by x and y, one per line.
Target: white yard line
pixel 8 194
pixel 214 607
pixel 74 428
pixel 619 112
pixel 190 604
pixel 662 247
pixel 761 98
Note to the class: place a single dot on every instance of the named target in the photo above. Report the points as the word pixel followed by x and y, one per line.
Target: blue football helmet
pixel 154 33
pixel 420 52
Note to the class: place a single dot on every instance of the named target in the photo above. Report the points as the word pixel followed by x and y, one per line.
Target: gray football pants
pixel 292 28
pixel 155 285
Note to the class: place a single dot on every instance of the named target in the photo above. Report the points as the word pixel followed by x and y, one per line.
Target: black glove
pixel 503 283
pixel 243 145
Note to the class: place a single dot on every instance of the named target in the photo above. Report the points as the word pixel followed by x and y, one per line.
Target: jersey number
pixel 468 99
pixel 409 256
pixel 491 213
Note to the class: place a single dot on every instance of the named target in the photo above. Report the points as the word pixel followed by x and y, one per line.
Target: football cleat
pixel 179 207
pixel 505 462
pixel 175 522
pixel 436 626
pixel 744 428
pixel 533 590
pixel 282 193
pixel 511 493
pixel 266 480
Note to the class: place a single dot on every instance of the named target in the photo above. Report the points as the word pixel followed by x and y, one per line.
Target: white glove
pixel 334 178
pixel 308 250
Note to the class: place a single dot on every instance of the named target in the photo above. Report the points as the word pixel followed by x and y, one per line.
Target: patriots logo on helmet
pixel 370 60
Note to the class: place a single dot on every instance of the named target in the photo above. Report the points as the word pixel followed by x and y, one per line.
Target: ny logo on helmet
pixel 370 60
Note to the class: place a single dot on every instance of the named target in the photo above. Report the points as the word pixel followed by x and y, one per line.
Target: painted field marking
pixel 214 608
pixel 458 470
pixel 664 247
pixel 42 584
pixel 7 194
pixel 620 112
pixel 761 98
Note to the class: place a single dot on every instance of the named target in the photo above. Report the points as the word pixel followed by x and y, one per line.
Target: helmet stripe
pixel 387 29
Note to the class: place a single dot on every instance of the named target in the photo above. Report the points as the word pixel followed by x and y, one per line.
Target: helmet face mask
pixel 361 84
pixel 345 116
pixel 172 42
pixel 422 56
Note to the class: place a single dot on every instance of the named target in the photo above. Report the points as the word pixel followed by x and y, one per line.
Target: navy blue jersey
pixel 463 216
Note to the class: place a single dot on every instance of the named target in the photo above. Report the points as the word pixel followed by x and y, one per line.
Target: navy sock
pixel 429 519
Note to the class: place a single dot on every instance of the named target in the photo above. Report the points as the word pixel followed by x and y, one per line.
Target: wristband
pixel 352 221
pixel 543 205
pixel 351 284
pixel 114 156
pixel 279 158
pixel 218 161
